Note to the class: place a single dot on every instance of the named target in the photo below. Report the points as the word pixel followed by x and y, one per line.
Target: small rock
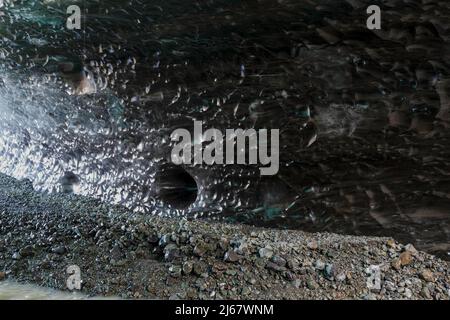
pixel 246 291
pixel 199 268
pixel 115 252
pixel 174 297
pixel 187 267
pixel 273 266
pixel 175 271
pixel 405 258
pixel 59 250
pixel 218 267
pixel 279 261
pixel 292 264
pixel 408 293
pixel 121 263
pixel 231 256
pixel 200 250
pixel 331 253
pixel 16 256
pixel 341 277
pixel 369 296
pixel 427 275
pixel 266 252
pixel 183 238
pixel 328 271
pixel 231 272
pixel 297 283
pixel 410 248
pixel 319 265
pixel 289 276
pixel 171 252
pixel 390 286
pixel 426 293
pixel 391 243
pixel 165 240
pixel 224 244
pixel 242 247
pixel 26 251
pixel 396 264
pixel 311 284
pixel 313 245
pixel 152 238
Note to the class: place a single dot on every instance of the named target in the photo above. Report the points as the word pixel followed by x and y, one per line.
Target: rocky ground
pixel 134 256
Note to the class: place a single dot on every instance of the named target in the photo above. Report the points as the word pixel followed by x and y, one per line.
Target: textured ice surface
pixel 91 111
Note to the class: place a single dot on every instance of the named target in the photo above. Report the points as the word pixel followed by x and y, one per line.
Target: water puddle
pixel 10 290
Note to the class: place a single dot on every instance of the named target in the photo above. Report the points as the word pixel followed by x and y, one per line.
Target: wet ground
pixel 91 111
pixel 10 290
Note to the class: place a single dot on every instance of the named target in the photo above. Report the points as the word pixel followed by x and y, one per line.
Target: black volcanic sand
pixel 137 256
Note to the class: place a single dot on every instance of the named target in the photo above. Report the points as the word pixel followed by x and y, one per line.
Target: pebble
pixel 391 243
pixel 172 253
pixel 174 297
pixel 231 272
pixel 410 248
pixel 199 268
pixel 425 292
pixel 396 264
pixel 390 286
pixel 200 250
pixel 165 240
pixel 408 293
pixel 273 266
pixel 153 239
pixel 328 271
pixel 26 251
pixel 292 264
pixel 405 258
pixel 427 275
pixel 331 253
pixel 175 271
pixel 297 283
pixel 224 244
pixel 231 256
pixel 246 291
pixel 341 277
pixel 16 256
pixel 313 245
pixel 369 296
pixel 311 284
pixel 59 250
pixel 187 267
pixel 319 265
pixel 266 252
pixel 279 261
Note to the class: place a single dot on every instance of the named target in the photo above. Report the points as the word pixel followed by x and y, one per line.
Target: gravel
pixel 130 255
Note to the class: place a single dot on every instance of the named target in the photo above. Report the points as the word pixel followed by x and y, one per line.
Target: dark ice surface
pixel 91 111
